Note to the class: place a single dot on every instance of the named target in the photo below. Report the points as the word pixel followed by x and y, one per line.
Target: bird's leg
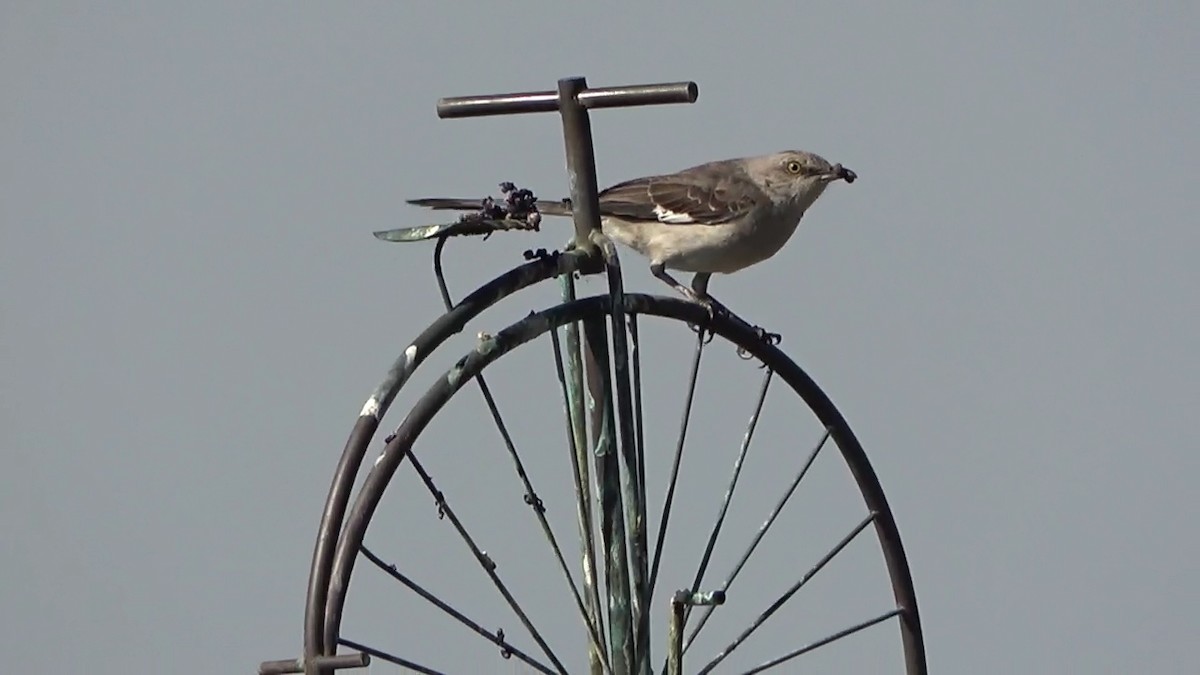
pixel 660 272
pixel 698 296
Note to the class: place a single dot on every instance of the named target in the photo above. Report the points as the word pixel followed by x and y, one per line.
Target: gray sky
pixel 1004 307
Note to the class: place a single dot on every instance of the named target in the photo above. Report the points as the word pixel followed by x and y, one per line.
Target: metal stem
pixel 581 177
pixel 675 634
pixel 612 527
pixel 636 356
pixel 581 160
pixel 682 603
pixel 634 498
pixel 571 382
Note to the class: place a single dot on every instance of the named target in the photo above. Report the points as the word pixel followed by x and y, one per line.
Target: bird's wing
pixel 706 195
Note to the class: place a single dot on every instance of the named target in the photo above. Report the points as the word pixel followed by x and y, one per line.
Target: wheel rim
pixel 539 324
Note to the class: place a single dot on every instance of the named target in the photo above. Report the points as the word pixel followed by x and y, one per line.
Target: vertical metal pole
pixel 675 634
pixel 681 603
pixel 581 170
pixel 581 176
pixel 581 463
pixel 608 476
pixel 634 497
pixel 581 159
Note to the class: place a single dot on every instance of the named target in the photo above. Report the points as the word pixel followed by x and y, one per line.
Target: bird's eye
pixel 794 167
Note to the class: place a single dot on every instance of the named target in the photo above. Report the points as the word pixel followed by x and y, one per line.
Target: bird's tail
pixel 545 206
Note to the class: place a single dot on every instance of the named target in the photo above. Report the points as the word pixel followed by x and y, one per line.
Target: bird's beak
pixel 841 172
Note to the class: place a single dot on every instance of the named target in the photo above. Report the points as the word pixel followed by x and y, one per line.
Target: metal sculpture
pixel 597 362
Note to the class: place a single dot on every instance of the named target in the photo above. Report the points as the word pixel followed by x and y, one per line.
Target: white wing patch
pixel 665 215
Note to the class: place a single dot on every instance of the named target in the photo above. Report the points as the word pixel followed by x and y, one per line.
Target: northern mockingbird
pixel 716 217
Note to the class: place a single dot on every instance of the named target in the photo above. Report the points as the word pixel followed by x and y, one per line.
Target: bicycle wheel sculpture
pixel 634 459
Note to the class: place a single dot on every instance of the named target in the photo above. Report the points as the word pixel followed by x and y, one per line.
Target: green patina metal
pixel 632 489
pixel 608 474
pixel 581 466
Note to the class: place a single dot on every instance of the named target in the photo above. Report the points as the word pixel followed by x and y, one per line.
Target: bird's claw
pixel 710 303
pixel 713 308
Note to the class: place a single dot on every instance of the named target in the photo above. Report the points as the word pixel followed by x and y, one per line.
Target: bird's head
pixel 797 177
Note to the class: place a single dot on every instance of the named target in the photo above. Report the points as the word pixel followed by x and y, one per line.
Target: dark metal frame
pixel 615 426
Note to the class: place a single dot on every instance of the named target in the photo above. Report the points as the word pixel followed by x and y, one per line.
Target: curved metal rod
pixel 729 327
pixel 373 410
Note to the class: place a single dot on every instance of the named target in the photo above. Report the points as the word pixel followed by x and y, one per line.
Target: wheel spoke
pixel 787 595
pixel 489 567
pixel 679 444
pixel 390 658
pixel 733 480
pixel 833 637
pixel 737 471
pixel 495 638
pixel 762 531
pixel 539 511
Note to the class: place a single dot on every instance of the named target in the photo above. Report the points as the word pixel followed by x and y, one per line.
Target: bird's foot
pixel 711 305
